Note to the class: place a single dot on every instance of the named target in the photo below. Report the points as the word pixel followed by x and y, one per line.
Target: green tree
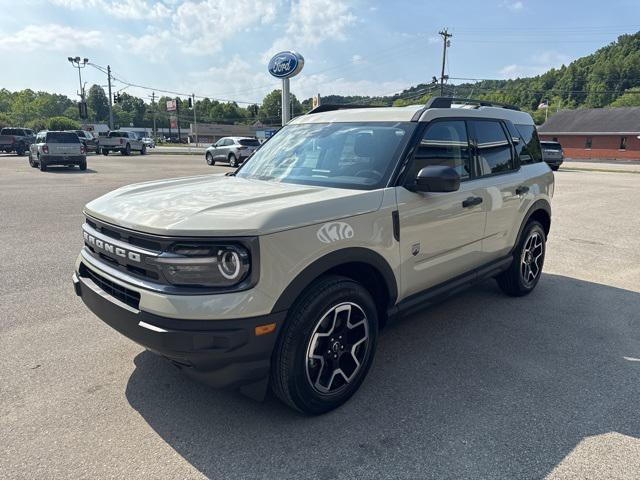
pixel 5 120
pixel 271 109
pixel 62 123
pixel 37 124
pixel 134 106
pixel 98 102
pixel 630 98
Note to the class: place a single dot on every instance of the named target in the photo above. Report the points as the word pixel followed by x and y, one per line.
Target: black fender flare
pixel 541 204
pixel 330 261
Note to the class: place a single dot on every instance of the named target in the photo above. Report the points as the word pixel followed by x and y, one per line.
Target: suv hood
pixel 213 205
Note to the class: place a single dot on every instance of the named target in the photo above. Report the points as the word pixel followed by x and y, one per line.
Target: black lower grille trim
pixel 123 294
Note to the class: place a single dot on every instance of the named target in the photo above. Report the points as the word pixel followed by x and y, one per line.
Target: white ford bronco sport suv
pixel 282 273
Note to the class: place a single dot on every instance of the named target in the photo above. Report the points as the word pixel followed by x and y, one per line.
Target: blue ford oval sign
pixel 286 64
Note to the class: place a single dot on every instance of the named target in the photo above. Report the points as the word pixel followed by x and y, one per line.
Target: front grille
pixel 123 294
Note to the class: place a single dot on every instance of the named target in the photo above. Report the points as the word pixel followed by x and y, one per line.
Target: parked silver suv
pixel 234 150
pixel 283 272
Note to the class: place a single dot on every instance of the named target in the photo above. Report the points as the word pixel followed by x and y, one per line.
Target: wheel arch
pixel 539 211
pixel 360 264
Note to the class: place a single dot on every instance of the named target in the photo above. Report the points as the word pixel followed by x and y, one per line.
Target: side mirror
pixel 437 178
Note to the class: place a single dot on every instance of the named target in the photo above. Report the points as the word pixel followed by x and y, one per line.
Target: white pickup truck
pixel 123 142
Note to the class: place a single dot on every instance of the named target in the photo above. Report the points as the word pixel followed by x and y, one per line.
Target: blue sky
pixel 220 48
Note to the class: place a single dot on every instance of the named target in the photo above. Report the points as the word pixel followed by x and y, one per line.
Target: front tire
pixel 143 151
pixel 210 161
pixel 528 259
pixel 326 347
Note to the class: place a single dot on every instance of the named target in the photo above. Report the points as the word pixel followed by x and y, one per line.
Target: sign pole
pixel 285 101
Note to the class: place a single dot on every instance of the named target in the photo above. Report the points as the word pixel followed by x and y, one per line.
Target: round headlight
pixel 229 264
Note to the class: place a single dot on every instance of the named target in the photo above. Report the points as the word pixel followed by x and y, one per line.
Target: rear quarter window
pixel 531 151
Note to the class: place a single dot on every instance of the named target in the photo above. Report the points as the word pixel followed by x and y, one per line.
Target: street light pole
pixel 79 63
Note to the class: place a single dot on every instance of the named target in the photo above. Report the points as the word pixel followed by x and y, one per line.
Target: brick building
pixel 611 133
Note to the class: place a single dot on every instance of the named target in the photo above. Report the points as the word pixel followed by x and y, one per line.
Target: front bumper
pixel 221 353
pixel 63 159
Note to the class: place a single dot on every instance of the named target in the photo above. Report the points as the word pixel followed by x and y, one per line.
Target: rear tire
pixel 210 161
pixel 555 169
pixel 233 161
pixel 32 162
pixel 144 150
pixel 326 346
pixel 105 152
pixel 83 165
pixel 126 151
pixel 20 150
pixel 42 165
pixel 525 270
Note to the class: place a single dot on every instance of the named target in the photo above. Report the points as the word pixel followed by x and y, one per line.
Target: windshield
pixel 342 155
pixel 62 137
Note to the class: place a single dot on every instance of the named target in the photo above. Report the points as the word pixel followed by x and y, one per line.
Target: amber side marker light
pixel 264 329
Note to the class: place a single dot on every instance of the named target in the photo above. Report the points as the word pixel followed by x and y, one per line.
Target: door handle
pixel 522 189
pixel 471 202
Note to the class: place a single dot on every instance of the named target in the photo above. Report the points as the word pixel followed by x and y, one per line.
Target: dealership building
pixel 608 133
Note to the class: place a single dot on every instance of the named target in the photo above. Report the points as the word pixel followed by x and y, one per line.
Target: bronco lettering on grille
pixel 112 249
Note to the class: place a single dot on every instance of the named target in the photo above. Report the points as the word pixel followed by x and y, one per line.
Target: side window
pixel 443 143
pixel 493 147
pixel 40 139
pixel 532 153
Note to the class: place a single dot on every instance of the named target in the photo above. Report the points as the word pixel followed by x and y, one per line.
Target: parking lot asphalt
pixel 479 386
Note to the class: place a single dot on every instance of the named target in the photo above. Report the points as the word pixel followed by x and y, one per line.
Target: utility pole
pixel 178 117
pixel 110 99
pixel 153 104
pixel 446 43
pixel 195 121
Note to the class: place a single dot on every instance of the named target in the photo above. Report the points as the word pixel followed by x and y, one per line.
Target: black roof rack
pixel 446 102
pixel 331 107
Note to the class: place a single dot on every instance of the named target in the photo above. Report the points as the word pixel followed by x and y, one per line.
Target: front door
pixel 440 233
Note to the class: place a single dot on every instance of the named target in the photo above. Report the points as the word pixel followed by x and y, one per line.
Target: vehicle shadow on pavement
pixel 479 386
pixel 73 170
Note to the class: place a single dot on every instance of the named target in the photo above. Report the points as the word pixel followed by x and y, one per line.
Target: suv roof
pixel 435 107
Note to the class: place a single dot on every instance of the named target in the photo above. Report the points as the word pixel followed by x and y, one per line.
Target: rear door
pixel 440 233
pixel 499 174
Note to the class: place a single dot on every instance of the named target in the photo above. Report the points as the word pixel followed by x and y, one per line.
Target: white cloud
pixel 203 26
pixel 50 37
pixel 539 63
pixel 311 22
pixel 123 9
pixel 513 6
